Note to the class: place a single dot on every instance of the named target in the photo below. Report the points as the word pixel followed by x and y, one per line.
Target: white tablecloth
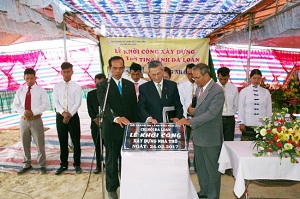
pixel 238 155
pixel 156 175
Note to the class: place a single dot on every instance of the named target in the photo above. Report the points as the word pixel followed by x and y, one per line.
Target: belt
pixel 227 116
pixel 35 117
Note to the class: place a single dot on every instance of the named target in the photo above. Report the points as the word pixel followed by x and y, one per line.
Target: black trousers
pixel 96 140
pixel 112 158
pixel 249 134
pixel 228 127
pixel 73 127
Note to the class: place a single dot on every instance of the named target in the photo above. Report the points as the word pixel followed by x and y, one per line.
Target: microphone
pixel 194 101
pixel 109 78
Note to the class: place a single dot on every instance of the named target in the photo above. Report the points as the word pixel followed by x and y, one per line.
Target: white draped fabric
pixel 19 17
pixel 239 156
pixel 284 24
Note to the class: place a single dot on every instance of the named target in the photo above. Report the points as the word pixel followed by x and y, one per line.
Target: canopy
pixel 217 20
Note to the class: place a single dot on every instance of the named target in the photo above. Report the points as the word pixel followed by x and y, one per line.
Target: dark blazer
pixel 92 106
pixel 150 104
pixel 118 105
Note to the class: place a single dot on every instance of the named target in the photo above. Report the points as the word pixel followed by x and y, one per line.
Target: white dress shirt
pixel 161 84
pixel 141 81
pixel 39 100
pixel 186 91
pixel 74 97
pixel 231 99
pixel 253 104
pixel 117 81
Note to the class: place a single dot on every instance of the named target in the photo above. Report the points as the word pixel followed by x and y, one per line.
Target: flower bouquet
pixel 279 134
pixel 286 95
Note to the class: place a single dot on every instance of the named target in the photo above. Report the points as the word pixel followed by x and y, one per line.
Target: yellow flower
pixel 297 150
pixel 296 137
pixel 283 136
pixel 274 131
pixel 283 128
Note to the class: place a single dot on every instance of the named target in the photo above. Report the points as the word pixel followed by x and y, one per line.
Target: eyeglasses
pixel 197 78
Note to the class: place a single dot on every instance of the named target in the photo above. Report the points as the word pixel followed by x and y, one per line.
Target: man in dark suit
pixel 157 94
pixel 93 110
pixel 121 109
pixel 207 131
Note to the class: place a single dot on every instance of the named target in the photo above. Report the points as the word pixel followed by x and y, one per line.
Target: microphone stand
pixel 101 116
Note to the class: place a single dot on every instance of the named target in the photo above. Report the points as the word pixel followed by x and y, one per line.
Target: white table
pixel 238 155
pixel 156 174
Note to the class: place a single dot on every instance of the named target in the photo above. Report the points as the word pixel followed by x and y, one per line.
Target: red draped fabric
pixel 47 63
pixel 287 59
pixel 8 64
pixel 267 56
pixel 290 62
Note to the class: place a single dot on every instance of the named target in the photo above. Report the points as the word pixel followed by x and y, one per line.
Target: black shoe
pixel 97 170
pixel 60 170
pixel 112 195
pixel 201 196
pixel 229 172
pixel 24 170
pixel 43 170
pixel 78 170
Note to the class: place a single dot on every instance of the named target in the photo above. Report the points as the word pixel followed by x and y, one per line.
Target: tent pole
pixel 65 39
pixel 249 48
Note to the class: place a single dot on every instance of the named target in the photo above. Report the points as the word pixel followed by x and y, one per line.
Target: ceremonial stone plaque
pixel 161 137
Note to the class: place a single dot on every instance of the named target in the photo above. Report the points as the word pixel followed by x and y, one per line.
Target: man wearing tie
pixel 120 110
pixel 207 131
pixel 93 110
pixel 67 97
pixel 157 94
pixel 30 102
pixel 135 77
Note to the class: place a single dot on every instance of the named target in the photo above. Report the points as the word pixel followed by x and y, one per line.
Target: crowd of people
pixel 206 107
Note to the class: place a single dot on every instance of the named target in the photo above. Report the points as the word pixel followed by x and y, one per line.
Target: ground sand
pixel 13 186
pixel 89 186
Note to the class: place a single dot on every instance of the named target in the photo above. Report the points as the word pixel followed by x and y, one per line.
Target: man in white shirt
pixel 67 97
pixel 230 106
pixel 135 76
pixel 30 102
pixel 187 90
pixel 120 110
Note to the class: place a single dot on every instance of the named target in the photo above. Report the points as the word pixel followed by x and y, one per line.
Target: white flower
pixel 263 132
pixel 279 151
pixel 288 146
pixel 261 148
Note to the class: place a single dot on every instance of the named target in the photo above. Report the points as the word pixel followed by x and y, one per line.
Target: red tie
pixel 136 86
pixel 28 99
pixel 200 93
